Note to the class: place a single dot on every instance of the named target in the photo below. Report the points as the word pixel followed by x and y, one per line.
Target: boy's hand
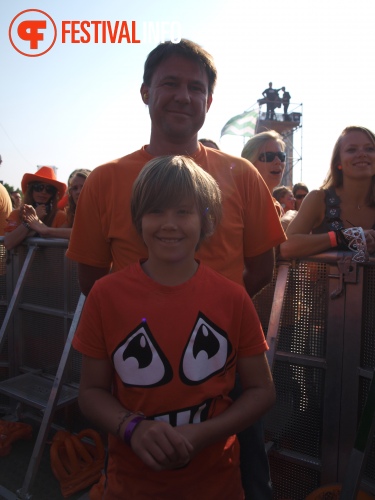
pixel 161 446
pixel 194 434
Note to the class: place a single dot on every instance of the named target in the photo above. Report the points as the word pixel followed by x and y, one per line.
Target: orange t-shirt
pixel 174 352
pixel 103 233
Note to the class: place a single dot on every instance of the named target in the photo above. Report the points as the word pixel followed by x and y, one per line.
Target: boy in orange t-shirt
pixel 162 340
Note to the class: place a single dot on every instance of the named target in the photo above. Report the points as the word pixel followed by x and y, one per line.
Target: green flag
pixel 243 124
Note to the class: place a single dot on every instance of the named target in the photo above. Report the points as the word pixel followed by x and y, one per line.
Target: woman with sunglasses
pixel 266 151
pixel 68 203
pixel 41 193
pixel 342 212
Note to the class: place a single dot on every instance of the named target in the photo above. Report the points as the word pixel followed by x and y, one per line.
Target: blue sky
pixel 79 106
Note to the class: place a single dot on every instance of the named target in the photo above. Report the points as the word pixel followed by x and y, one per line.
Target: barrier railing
pixel 322 348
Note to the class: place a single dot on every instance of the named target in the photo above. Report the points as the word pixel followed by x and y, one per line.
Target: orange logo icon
pixel 32 32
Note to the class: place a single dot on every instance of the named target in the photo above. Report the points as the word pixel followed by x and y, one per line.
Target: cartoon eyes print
pixel 206 352
pixel 140 362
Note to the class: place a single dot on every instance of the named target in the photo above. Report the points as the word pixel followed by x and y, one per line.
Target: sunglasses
pixel 270 156
pixel 38 187
pixel 300 196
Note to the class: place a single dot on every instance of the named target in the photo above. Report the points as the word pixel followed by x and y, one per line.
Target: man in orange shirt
pixel 178 84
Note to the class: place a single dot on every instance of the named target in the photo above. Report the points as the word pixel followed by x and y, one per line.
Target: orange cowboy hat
pixel 46 175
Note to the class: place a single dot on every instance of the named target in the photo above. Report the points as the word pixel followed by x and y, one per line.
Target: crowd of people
pixel 47 208
pixel 172 241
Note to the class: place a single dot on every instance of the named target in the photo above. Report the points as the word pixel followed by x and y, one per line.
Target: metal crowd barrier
pixel 319 317
pixel 322 350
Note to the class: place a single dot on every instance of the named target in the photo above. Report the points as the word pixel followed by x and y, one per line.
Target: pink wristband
pixel 131 426
pixel 332 238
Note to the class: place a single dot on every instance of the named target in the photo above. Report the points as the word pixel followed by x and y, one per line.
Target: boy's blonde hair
pixel 167 180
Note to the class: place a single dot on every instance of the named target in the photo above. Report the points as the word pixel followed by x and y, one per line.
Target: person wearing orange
pixel 162 340
pixel 41 193
pixel 178 85
pixel 5 208
pixel 75 184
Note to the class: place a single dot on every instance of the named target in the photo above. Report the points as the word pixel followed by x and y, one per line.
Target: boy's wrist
pixel 131 426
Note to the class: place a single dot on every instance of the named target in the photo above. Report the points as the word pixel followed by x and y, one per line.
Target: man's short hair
pixel 167 180
pixel 185 48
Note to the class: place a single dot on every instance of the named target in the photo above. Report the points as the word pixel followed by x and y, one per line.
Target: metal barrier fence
pixel 47 300
pixel 323 364
pixel 323 356
pixel 39 372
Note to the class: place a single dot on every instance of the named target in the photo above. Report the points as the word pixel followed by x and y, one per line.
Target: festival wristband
pixel 27 225
pixel 333 239
pixel 129 429
pixel 355 240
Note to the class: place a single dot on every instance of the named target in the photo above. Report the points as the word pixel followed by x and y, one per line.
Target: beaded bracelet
pixel 27 225
pixel 129 429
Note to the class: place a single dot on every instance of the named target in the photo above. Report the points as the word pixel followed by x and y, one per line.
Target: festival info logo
pixel 32 32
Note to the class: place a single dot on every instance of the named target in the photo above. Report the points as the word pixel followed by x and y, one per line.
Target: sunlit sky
pixel 79 106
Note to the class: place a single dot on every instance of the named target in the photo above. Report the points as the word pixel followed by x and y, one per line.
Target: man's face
pixel 178 99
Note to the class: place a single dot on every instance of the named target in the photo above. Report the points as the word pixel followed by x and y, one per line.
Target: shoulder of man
pixel 236 164
pixel 133 160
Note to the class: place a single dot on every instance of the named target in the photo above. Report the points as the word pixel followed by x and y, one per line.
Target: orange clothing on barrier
pixel 188 339
pixel 103 232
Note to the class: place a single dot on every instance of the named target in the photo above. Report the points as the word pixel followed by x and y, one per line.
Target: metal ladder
pixel 34 389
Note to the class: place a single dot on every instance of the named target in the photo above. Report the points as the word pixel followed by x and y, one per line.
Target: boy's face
pixel 172 234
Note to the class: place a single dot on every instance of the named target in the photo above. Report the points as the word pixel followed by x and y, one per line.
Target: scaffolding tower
pixel 290 128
